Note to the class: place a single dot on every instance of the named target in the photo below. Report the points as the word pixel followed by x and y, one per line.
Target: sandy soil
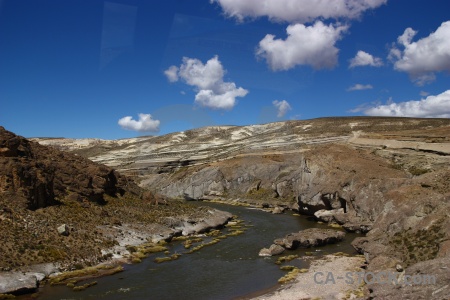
pixel 326 279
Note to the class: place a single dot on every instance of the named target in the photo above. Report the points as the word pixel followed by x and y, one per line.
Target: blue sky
pixel 124 68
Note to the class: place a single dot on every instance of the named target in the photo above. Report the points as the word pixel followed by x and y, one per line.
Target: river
pixel 227 270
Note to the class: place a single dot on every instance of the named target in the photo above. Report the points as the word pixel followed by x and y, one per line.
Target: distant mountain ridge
pixel 212 143
pixel 386 177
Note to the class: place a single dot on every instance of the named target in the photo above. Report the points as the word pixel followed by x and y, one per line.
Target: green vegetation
pixel 261 194
pixel 291 275
pixel 235 232
pixel 148 248
pixel 180 238
pixel 74 276
pixel 31 236
pixel 215 232
pixel 358 293
pixel 286 258
pixel 417 171
pixel 420 245
pixel 198 247
pixel 84 286
pixel 397 166
pixel 287 268
pixel 335 225
pixel 174 256
pixel 341 254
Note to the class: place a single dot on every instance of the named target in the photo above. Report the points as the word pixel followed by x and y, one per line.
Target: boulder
pixel 327 216
pixel 273 250
pixel 312 237
pixel 216 218
pixel 17 282
pixel 357 227
pixel 278 210
pixel 63 230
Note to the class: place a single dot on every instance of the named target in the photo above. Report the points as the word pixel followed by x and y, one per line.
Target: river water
pixel 227 270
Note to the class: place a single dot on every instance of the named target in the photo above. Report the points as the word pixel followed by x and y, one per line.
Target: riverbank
pixel 326 278
pixel 223 271
pixel 131 242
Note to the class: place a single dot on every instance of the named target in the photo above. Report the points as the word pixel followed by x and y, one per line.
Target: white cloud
pixel 423 58
pixel 365 59
pixel 294 11
pixel 407 36
pixel 305 45
pixel 282 106
pixel 212 91
pixel 144 124
pixel 172 74
pixel 360 87
pixel 430 107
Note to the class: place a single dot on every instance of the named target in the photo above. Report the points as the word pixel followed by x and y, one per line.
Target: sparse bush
pixel 417 171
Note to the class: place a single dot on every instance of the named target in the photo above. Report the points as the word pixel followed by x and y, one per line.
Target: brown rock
pixel 312 237
pixel 43 175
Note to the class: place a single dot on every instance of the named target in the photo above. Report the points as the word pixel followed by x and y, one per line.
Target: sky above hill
pixel 124 68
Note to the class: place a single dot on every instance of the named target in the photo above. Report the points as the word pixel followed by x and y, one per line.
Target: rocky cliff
pixel 43 175
pixel 58 207
pixel 387 177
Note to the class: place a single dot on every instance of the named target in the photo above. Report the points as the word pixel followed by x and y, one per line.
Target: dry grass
pixel 286 258
pixel 291 275
pixel 30 237
pixel 420 245
pixel 73 277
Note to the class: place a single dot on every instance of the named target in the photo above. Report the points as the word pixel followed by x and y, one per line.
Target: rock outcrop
pixel 43 175
pixel 214 219
pixel 18 282
pixel 60 208
pixel 274 249
pixel 312 237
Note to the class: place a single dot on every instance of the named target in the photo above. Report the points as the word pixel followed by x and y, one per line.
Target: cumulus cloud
pixel 212 91
pixel 144 124
pixel 429 107
pixel 305 45
pixel 423 58
pixel 172 73
pixel 282 106
pixel 360 87
pixel 294 11
pixel 365 59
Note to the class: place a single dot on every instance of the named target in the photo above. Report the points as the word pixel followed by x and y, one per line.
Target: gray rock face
pixel 273 250
pixel 312 237
pixel 216 219
pixel 358 227
pixel 327 216
pixel 17 282
pixel 432 282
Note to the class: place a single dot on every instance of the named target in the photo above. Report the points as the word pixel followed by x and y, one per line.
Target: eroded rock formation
pixel 45 175
pixel 387 177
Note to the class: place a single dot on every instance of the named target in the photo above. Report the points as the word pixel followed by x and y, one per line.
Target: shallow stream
pixel 227 270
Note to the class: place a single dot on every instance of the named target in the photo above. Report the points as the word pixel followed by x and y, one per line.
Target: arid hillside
pixel 58 207
pixel 386 177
